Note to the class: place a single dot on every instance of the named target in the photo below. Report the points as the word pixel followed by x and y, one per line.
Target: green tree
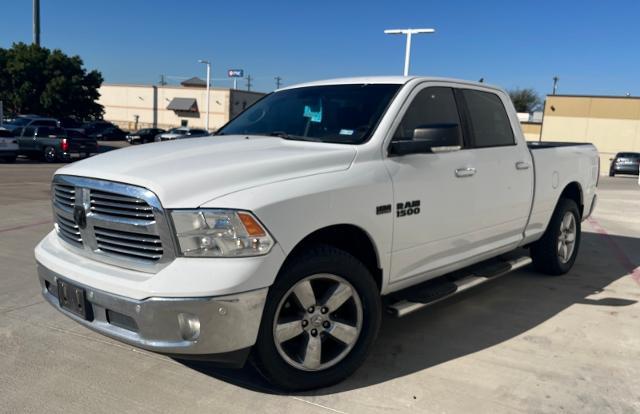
pixel 38 80
pixel 525 100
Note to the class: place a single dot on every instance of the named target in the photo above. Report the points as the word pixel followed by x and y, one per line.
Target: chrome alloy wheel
pixel 317 322
pixel 567 237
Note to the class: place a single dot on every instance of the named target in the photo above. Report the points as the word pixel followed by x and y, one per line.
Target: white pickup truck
pixel 286 235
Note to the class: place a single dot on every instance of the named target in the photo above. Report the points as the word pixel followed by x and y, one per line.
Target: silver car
pixel 180 133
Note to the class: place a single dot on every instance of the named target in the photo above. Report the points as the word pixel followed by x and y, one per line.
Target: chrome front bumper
pixel 220 329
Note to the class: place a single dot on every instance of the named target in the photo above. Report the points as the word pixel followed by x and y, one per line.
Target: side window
pixel 489 120
pixel 431 106
pixel 28 132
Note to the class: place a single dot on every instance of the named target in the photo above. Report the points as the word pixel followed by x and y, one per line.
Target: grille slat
pixel 64 195
pixel 125 235
pixel 130 252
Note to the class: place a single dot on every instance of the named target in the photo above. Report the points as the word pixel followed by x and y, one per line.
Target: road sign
pixel 235 73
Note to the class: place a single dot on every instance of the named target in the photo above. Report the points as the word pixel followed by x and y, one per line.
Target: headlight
pixel 220 233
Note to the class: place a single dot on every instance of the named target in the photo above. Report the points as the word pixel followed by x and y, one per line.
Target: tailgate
pixel 82 145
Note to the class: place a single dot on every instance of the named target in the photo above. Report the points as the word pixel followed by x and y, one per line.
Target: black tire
pixel 49 154
pixel 544 252
pixel 317 260
pixel 612 174
pixel 10 159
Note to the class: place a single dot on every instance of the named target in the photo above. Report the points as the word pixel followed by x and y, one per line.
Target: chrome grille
pixel 136 245
pixel 114 205
pixel 125 225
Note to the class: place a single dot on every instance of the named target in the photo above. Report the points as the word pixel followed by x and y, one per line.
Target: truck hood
pixel 191 172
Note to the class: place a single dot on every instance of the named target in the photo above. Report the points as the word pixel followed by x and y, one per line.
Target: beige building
pixel 142 106
pixel 611 123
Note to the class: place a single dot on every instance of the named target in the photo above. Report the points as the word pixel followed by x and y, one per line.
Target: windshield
pixel 335 113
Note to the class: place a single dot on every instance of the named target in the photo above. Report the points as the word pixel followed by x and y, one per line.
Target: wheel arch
pixel 348 237
pixel 573 191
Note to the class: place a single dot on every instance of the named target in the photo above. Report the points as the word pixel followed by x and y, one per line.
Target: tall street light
pixel 407 51
pixel 206 62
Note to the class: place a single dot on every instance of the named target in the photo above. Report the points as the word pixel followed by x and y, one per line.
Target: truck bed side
pixel 559 165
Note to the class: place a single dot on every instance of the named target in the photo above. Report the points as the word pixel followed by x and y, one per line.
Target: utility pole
pixel 249 78
pixel 555 84
pixel 206 62
pixel 36 22
pixel 163 81
pixel 407 50
pixel 278 82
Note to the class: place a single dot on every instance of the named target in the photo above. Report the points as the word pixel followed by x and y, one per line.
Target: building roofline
pixel 594 96
pixel 149 85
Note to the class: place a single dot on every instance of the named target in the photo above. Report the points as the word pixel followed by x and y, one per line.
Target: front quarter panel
pixel 293 209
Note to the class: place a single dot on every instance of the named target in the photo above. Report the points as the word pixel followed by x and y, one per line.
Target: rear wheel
pixel 321 317
pixel 612 173
pixel 9 159
pixel 50 155
pixel 556 252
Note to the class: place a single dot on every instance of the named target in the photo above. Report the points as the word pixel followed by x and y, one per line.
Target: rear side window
pixel 45 122
pixel 431 106
pixel 488 118
pixel 29 132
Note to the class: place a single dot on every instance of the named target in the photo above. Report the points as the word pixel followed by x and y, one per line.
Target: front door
pixel 434 206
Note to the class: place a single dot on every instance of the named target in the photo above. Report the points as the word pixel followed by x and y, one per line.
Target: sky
pixel 592 46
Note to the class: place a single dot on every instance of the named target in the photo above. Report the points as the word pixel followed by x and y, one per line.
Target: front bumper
pixel 220 329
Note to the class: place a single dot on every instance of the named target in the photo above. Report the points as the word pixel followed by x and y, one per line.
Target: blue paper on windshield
pixel 315 116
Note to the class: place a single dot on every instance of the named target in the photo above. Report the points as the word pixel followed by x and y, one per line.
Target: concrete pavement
pixel 523 343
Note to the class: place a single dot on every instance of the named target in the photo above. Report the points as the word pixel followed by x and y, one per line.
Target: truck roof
pixel 400 80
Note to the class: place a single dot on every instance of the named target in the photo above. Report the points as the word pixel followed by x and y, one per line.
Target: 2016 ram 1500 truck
pixel 287 234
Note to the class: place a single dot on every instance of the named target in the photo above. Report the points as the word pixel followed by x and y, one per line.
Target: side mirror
pixel 435 138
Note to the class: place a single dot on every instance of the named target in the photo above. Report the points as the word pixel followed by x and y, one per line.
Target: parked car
pixel 53 144
pixel 22 121
pixel 180 133
pixel 108 134
pixel 8 146
pixel 625 163
pixel 144 136
pixel 71 123
pixel 313 211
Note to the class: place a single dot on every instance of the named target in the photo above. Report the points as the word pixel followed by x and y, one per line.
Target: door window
pixel 432 106
pixel 29 132
pixel 488 119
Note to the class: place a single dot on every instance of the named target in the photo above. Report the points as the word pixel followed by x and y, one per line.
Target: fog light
pixel 189 326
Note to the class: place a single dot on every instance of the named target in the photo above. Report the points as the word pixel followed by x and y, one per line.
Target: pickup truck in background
pixel 53 144
pixel 286 236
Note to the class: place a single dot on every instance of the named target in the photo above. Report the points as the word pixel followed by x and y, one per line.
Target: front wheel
pixel 321 317
pixel 556 252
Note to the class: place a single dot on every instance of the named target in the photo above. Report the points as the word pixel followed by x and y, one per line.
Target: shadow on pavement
pixel 480 318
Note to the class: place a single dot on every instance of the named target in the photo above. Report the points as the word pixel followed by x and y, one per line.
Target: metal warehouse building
pixel 611 123
pixel 143 106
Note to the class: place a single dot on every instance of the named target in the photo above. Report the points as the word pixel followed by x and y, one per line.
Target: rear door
pixel 503 171
pixel 26 140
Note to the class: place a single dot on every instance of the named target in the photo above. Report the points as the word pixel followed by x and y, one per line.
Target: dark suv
pixel 144 136
pixel 625 163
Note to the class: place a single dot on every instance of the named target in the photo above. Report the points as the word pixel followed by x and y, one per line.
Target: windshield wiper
pixel 284 135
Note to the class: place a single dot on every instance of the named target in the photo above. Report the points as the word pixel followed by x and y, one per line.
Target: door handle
pixel 465 172
pixel 521 165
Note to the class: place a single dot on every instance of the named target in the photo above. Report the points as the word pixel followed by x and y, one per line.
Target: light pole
pixel 555 84
pixel 407 51
pixel 206 62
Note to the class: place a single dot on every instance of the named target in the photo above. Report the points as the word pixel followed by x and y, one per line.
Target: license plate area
pixel 72 298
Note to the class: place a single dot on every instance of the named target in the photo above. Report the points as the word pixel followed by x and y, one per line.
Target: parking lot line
pixel 620 255
pixel 25 226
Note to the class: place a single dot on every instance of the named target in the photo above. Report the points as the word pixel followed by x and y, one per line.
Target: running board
pixel 431 292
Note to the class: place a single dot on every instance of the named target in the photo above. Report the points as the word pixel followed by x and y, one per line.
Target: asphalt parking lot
pixel 523 343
